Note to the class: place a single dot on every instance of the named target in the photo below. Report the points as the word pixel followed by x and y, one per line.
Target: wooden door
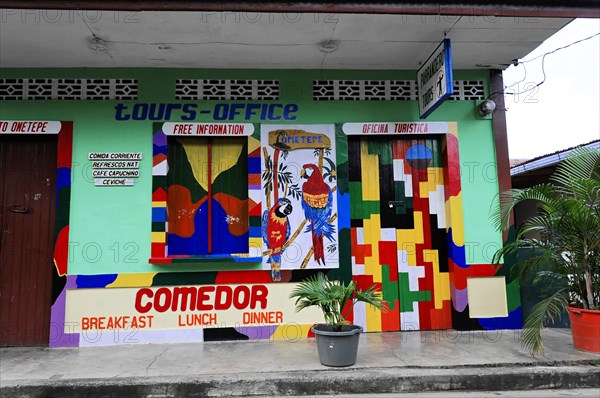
pixel 398 229
pixel 27 209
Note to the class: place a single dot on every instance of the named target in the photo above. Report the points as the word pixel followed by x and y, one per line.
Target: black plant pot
pixel 337 348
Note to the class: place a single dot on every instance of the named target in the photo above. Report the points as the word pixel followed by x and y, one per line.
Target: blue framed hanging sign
pixel 434 79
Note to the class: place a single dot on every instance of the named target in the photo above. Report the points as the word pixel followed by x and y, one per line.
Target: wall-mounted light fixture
pixel 486 107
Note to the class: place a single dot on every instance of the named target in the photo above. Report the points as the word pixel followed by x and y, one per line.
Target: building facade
pixel 146 204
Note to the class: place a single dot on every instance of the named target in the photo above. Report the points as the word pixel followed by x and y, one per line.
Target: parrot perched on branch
pixel 276 231
pixel 317 201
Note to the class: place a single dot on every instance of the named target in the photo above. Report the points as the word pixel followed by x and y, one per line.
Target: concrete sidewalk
pixel 387 362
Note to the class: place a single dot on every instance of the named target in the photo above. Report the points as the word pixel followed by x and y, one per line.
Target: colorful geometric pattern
pixel 407 234
pixel 414 251
pixel 399 230
pixel 160 169
pixel 254 197
pixel 189 241
pixel 61 237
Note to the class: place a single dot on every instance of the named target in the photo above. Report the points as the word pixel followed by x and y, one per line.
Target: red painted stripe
pixel 255 209
pixel 160 195
pixel 160 260
pixel 157 249
pixel 255 153
pixel 390 320
pixel 61 251
pixel 452 179
pixel 65 145
pixel 161 157
pixel 243 277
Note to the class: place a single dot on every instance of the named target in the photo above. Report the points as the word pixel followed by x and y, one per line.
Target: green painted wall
pixel 110 227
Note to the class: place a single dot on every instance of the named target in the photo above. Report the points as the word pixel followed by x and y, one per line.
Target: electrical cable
pixel 524 71
pixel 543 57
pixel 560 48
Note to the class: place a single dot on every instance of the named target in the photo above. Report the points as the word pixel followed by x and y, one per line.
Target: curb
pixel 327 381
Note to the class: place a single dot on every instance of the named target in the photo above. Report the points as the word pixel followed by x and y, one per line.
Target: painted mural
pixel 299 227
pixel 207 206
pixel 225 311
pixel 407 233
pixel 400 223
pixel 206 197
pixel 61 227
pixel 398 229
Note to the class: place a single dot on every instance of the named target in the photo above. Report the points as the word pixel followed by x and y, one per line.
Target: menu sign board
pixel 113 169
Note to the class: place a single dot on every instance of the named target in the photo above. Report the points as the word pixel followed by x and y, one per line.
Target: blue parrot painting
pixel 275 232
pixel 317 202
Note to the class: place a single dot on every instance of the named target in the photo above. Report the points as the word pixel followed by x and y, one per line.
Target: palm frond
pixel 331 296
pixel 558 249
pixel 546 310
pixel 583 163
pixel 542 193
pixel 371 296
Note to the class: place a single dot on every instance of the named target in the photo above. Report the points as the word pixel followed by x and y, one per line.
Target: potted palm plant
pixel 565 252
pixel 337 339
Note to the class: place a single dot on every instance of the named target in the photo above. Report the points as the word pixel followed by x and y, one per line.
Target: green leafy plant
pixel 331 296
pixel 329 172
pixel 565 254
pixel 267 175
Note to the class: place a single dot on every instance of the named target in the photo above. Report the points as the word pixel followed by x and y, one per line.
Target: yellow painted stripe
pixel 453 128
pixel 372 235
pixel 373 319
pixel 159 204
pixel 253 144
pixel 159 237
pixel 370 173
pixel 291 332
pixel 435 176
pixel 455 220
pixel 441 281
pixel 133 280
pixel 407 239
pixel 445 285
pixel 57 269
pixel 255 243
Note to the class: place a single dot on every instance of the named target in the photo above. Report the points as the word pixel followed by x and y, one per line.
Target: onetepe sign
pixel 29 127
pixel 434 79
